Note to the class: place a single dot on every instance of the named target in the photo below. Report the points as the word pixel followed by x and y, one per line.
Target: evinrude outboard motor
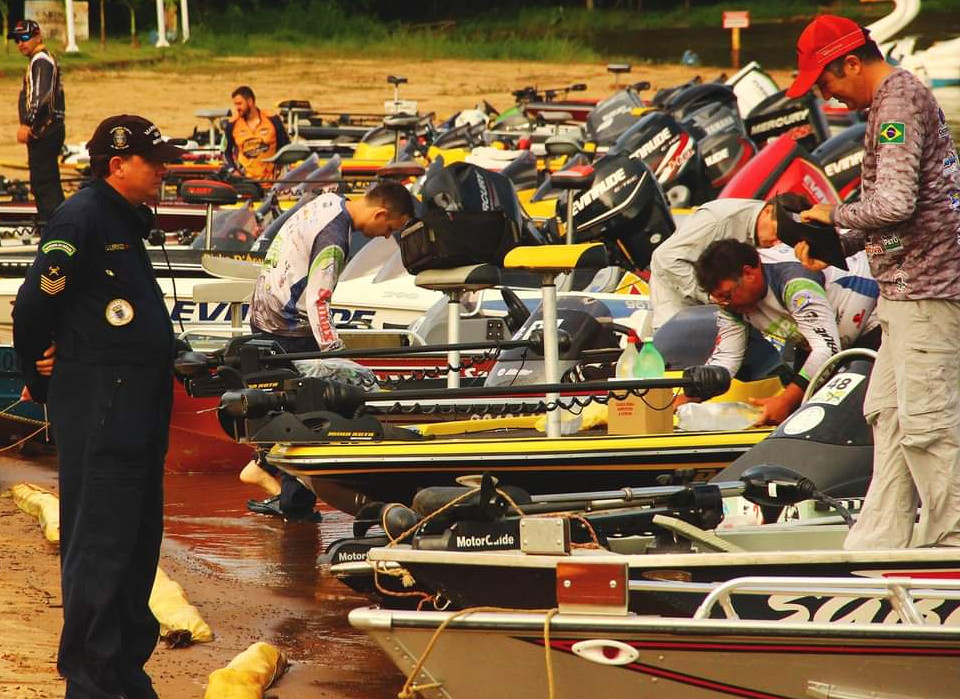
pixel 626 208
pixel 669 149
pixel 782 166
pixel 582 325
pixel 612 117
pixel 778 114
pixel 827 439
pixel 841 158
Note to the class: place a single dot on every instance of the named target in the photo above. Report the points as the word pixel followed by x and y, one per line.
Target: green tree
pixel 132 6
pixel 5 15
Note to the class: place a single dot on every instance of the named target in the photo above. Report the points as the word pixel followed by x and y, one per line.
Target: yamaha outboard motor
pixel 827 439
pixel 582 328
pixel 669 149
pixel 841 158
pixel 778 114
pixel 626 208
pixel 783 166
pixel 612 117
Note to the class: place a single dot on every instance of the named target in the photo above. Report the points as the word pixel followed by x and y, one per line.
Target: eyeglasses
pixel 724 298
pixel 22 38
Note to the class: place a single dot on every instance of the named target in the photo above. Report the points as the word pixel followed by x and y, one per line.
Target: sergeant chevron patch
pixel 52 283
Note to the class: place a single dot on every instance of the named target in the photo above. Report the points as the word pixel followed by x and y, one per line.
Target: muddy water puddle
pixel 206 515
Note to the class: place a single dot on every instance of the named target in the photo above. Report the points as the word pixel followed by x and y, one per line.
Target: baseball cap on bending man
pixel 825 39
pixel 24 27
pixel 127 135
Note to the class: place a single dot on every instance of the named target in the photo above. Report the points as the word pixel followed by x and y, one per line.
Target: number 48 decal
pixel 838 388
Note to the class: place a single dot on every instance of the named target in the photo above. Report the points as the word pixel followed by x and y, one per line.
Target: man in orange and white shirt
pixel 252 136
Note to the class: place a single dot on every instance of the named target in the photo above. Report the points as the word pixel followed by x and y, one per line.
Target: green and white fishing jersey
pixel 820 312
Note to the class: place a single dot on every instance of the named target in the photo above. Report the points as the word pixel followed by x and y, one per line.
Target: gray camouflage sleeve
pixel 898 143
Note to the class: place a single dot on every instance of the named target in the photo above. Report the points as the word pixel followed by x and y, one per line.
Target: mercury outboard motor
pixel 626 208
pixel 612 117
pixel 783 166
pixel 584 327
pixel 841 158
pixel 802 118
pixel 827 439
pixel 669 149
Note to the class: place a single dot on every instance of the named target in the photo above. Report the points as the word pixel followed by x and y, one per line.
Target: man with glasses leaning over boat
pixel 908 221
pixel 291 303
pixel 41 107
pixel 819 312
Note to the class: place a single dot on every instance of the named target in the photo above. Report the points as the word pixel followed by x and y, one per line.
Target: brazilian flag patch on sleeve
pixel 892 133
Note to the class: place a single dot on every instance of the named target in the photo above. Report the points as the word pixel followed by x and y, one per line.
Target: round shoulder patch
pixel 119 312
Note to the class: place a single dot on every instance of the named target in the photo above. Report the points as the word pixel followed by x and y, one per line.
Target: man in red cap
pixel 908 221
pixel 92 291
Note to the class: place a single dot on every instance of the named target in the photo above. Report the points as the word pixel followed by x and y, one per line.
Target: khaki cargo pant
pixel 913 404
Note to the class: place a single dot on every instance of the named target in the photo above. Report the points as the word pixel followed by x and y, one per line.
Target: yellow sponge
pixel 180 622
pixel 43 505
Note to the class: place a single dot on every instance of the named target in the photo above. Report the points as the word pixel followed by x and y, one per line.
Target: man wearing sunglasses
pixel 41 108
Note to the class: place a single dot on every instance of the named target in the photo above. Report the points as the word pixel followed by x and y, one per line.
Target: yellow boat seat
pixel 556 258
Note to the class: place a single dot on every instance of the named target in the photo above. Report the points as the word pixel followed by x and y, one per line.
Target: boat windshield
pixel 393 269
pixel 371 257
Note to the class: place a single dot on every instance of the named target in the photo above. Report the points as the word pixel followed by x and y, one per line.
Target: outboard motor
pixel 722 141
pixel 612 117
pixel 684 102
pixel 778 114
pixel 522 171
pixel 752 85
pixel 626 208
pixel 581 321
pixel 827 439
pixel 670 151
pixel 841 158
pixel 782 166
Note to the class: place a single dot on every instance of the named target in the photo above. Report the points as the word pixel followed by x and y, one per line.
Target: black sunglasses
pixel 20 38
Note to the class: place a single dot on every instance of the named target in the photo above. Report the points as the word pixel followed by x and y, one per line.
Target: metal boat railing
pixel 901 593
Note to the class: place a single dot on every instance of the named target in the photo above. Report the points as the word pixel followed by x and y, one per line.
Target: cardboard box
pixel 641 415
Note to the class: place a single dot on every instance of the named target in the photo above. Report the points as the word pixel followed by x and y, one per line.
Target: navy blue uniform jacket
pixel 92 289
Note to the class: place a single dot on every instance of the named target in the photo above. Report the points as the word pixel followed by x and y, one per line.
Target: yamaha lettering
pixel 719 125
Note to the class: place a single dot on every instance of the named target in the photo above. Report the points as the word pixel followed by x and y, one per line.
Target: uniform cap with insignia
pixel 126 134
pixel 825 39
pixel 24 28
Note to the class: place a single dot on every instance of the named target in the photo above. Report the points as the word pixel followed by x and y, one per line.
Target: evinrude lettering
pixel 485 541
pixel 599 189
pixel 647 148
pixel 825 334
pixel 845 163
pixel 815 189
pixel 717 157
pixel 779 122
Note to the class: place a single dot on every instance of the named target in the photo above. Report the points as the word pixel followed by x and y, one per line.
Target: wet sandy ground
pixel 251 577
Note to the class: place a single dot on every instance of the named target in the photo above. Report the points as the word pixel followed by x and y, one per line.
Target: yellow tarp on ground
pixel 248 674
pixel 176 615
pixel 43 505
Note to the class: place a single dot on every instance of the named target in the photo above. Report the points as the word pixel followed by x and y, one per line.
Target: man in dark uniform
pixel 41 108
pixel 92 292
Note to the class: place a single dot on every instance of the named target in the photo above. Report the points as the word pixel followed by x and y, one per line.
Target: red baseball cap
pixel 825 39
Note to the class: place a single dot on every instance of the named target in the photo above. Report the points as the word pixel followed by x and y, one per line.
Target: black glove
pixel 708 381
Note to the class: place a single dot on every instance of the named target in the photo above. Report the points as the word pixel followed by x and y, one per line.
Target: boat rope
pixel 24 440
pixel 551 681
pixel 410 689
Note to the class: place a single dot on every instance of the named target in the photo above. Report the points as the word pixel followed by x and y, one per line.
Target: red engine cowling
pixel 782 166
